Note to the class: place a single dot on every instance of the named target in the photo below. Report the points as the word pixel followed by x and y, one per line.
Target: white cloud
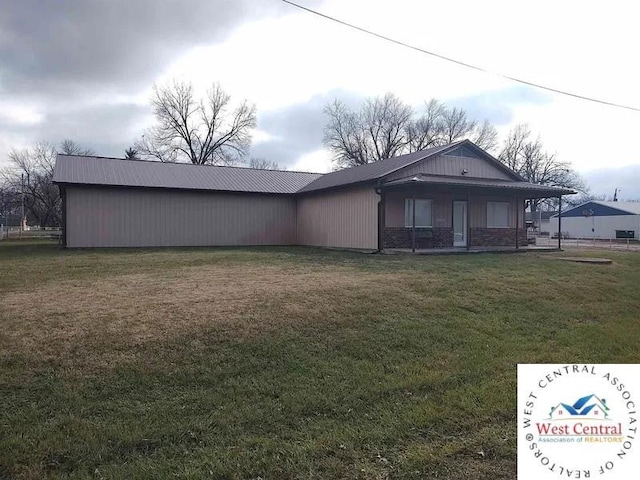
pixel 260 136
pixel 318 161
pixel 19 114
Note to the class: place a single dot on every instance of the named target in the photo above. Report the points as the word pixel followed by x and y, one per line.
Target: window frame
pixel 408 218
pixel 508 220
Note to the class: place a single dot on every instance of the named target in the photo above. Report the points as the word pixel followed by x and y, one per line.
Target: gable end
pixel 452 162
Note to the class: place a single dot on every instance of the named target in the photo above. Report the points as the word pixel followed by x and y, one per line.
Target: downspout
pixel 381 216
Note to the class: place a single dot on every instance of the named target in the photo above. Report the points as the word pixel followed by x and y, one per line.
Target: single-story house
pixel 600 220
pixel 455 195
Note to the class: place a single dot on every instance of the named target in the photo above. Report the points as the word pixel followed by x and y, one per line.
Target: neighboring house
pixel 600 220
pixel 463 197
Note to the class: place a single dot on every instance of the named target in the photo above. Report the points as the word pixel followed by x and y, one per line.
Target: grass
pixel 287 363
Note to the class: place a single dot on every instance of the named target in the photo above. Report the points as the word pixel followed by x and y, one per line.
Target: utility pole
pixel 22 218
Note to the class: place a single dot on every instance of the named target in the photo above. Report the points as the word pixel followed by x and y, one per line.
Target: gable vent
pixel 461 152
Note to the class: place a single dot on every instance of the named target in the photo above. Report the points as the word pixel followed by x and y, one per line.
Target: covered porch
pixel 437 214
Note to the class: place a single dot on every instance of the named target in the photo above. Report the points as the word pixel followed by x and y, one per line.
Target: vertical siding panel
pixel 346 218
pixel 452 166
pixel 101 217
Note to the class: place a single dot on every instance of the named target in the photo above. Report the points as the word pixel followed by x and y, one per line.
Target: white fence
pixel 15 233
pixel 610 243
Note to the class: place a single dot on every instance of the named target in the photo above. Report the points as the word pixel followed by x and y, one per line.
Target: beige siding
pixel 346 218
pixel 111 217
pixel 443 209
pixel 453 166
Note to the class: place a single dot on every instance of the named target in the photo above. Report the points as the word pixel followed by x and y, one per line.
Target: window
pixel 497 214
pixel 423 212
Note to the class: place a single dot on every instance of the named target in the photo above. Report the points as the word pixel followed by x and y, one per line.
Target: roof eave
pixel 534 190
pixel 156 187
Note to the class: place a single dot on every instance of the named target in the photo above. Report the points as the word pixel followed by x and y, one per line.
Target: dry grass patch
pixel 102 320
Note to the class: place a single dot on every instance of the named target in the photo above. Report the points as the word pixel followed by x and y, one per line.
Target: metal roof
pixel 371 171
pixel 599 208
pixel 530 188
pixel 90 170
pixel 631 207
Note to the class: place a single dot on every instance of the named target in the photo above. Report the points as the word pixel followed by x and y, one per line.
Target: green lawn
pixel 283 363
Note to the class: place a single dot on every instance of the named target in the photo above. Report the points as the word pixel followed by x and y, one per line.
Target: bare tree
pixel 204 131
pixel 527 157
pixel 513 146
pixel 456 125
pixel 485 136
pixel 376 132
pixel 427 130
pixel 70 147
pixel 385 127
pixel 9 203
pixel 34 166
pixel 264 164
pixel 32 170
pixel 345 136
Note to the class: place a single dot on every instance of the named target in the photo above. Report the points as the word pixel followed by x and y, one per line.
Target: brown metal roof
pixel 526 187
pixel 371 171
pixel 88 170
pixel 71 169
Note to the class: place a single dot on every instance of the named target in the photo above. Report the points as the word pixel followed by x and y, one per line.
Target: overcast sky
pixel 85 69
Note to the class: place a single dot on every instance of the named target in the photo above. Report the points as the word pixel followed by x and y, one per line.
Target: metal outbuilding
pixel 600 220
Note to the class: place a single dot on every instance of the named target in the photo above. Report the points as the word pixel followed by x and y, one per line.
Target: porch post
pixel 63 233
pixel 517 219
pixel 413 224
pixel 560 222
pixel 468 220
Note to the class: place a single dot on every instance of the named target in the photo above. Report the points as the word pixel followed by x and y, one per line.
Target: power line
pixel 458 62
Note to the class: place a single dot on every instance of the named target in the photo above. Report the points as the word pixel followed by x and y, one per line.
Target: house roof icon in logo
pixel 590 407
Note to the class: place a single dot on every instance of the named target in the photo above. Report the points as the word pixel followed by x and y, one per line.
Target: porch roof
pixel 530 190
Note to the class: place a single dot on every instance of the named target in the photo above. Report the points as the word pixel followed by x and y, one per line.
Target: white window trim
pixel 410 223
pixel 508 204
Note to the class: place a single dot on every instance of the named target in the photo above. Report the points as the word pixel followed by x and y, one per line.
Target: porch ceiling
pixel 443 183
